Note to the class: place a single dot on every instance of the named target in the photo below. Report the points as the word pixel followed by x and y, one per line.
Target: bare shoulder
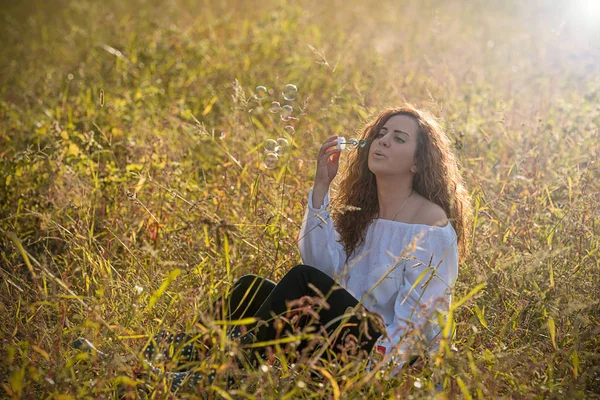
pixel 430 213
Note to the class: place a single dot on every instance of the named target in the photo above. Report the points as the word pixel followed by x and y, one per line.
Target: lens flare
pixel 588 9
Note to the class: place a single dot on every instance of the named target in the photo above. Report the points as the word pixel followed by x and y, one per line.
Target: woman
pixel 390 242
pixel 404 188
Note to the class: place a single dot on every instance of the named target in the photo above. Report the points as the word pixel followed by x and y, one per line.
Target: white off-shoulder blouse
pixel 402 251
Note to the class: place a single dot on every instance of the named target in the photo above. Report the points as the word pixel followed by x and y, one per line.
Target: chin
pixel 370 167
pixel 375 169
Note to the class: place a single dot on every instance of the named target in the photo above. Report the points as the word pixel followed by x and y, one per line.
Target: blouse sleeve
pixel 428 279
pixel 318 243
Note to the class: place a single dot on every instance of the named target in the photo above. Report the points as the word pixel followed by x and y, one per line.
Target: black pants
pixel 304 297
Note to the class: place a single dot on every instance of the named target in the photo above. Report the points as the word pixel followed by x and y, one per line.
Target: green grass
pixel 132 191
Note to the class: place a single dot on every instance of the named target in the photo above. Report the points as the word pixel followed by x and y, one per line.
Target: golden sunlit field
pixel 135 187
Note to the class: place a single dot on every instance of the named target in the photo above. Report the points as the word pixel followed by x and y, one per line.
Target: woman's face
pixel 393 147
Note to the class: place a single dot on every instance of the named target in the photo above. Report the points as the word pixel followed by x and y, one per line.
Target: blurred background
pixel 134 187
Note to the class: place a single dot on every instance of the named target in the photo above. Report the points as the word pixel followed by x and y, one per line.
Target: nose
pixel 384 140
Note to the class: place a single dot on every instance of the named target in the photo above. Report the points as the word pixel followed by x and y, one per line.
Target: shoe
pixel 170 345
pixel 189 379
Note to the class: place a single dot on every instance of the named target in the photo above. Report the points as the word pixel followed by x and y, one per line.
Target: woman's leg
pixel 245 298
pixel 298 283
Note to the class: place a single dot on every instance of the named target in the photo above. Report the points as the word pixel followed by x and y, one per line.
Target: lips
pixel 378 153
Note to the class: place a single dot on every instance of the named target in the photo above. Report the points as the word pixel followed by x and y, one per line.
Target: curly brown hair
pixel 437 179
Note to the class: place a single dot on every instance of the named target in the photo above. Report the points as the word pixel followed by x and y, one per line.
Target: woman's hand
pixel 328 161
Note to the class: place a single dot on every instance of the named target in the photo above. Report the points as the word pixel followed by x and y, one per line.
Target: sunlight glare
pixel 588 10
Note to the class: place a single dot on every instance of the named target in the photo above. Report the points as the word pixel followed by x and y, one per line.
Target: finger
pixel 336 156
pixel 326 146
pixel 330 149
pixel 332 158
pixel 328 143
pixel 330 139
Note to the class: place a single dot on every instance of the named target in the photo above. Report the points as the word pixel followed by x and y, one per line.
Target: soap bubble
pixel 275 107
pixel 290 130
pixel 260 92
pixel 270 160
pixel 282 146
pixel 286 113
pixel 270 145
pixel 290 92
pixel 362 143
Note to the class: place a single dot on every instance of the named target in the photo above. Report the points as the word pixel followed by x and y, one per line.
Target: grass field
pixel 133 189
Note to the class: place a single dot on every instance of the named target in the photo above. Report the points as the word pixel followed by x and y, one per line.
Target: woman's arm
pixel 318 239
pixel 319 192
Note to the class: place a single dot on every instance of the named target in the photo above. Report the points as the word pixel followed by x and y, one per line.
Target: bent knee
pixel 306 269
pixel 248 279
pixel 302 268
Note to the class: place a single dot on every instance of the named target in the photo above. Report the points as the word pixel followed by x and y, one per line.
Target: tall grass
pixel 132 190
